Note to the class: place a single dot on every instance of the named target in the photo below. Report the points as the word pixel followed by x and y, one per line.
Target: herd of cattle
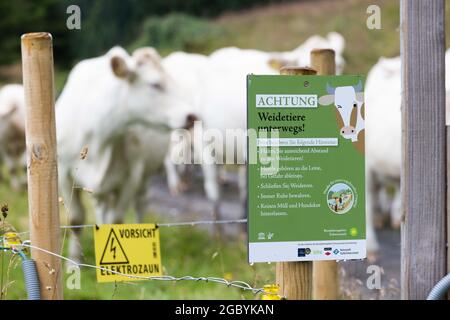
pixel 122 108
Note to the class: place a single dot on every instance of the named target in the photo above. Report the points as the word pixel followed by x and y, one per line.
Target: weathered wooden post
pixel 325 273
pixel 295 278
pixel 37 62
pixel 424 146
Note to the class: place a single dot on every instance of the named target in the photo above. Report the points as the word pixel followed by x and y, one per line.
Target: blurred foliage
pixel 177 32
pixel 105 23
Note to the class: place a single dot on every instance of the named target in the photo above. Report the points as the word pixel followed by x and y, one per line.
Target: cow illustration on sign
pixel 349 103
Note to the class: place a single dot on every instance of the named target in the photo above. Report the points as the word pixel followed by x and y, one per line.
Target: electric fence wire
pixel 168 224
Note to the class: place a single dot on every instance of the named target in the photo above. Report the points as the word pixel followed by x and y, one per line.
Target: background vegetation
pixel 105 22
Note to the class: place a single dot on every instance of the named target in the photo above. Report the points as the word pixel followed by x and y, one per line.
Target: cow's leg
pixel 211 186
pixel 18 177
pixel 11 166
pixel 396 209
pixel 243 192
pixel 210 174
pixel 372 241
pixel 382 208
pixel 76 214
pixel 383 202
pixel 128 192
pixel 242 182
pixel 116 209
pixel 106 208
pixel 222 177
pixel 142 202
pixel 1 167
pixel 22 168
pixel 175 183
pixel 101 209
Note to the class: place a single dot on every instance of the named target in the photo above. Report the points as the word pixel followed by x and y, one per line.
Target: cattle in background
pixel 383 141
pixel 189 72
pixel 217 87
pixel 12 133
pixel 120 109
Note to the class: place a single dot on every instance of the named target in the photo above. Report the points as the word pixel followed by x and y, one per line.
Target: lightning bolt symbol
pixel 113 248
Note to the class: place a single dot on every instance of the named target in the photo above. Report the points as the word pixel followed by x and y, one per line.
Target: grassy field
pixel 189 250
pixel 280 28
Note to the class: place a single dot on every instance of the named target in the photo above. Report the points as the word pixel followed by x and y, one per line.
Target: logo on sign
pixel 302 252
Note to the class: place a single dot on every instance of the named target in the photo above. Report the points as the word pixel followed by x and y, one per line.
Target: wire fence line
pixel 234 283
pixel 168 224
pixel 229 283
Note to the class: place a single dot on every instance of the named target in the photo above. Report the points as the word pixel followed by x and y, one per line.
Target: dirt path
pixel 355 273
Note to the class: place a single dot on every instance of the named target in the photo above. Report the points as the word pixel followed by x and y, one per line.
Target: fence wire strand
pixel 168 224
pixel 235 283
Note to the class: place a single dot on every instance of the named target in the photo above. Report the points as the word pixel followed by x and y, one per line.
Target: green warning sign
pixel 306 168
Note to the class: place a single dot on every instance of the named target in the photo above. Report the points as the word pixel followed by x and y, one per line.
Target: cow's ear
pixel 326 100
pixel 120 68
pixel 360 96
pixel 277 63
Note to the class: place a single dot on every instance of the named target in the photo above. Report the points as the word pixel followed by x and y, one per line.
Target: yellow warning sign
pixel 126 252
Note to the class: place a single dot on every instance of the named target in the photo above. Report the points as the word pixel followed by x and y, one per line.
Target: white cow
pixel 12 133
pixel 217 84
pixel 383 139
pixel 349 100
pixel 121 109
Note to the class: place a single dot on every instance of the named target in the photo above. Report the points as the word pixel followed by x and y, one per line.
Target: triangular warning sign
pixel 113 252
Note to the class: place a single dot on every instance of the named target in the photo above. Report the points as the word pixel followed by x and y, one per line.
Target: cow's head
pixel 150 93
pixel 348 101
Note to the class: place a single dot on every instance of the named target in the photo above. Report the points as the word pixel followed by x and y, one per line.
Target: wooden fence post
pixel 325 273
pixel 37 62
pixel 424 146
pixel 295 278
